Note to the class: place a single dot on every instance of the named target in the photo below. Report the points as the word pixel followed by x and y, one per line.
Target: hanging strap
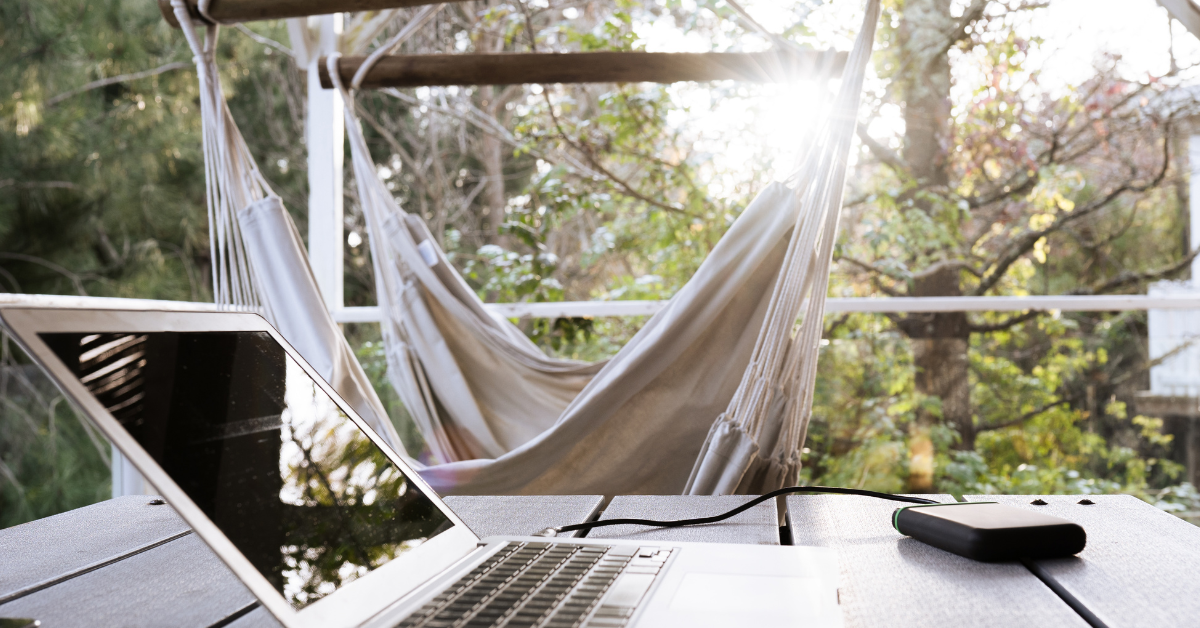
pixel 780 361
pixel 232 179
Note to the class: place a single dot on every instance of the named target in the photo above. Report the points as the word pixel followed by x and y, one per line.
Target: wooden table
pixel 126 562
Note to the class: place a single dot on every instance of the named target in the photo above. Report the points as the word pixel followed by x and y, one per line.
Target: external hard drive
pixel 988 531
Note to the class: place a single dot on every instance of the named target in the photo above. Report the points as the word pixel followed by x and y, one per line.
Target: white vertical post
pixel 325 136
pixel 1194 200
pixel 126 480
pixel 1179 375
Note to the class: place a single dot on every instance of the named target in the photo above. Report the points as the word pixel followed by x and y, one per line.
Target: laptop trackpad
pixel 787 596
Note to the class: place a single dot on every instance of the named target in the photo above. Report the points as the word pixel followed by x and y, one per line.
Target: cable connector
pixel 548 532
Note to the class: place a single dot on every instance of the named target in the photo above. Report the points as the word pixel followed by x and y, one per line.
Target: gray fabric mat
pixel 1141 566
pixel 891 580
pixel 757 526
pixel 522 515
pixel 34 552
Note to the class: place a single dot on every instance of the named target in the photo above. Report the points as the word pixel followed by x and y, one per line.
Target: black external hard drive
pixel 988 531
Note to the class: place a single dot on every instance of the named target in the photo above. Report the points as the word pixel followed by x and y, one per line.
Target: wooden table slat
pixel 891 580
pixel 758 526
pixel 257 618
pixel 522 515
pixel 1139 569
pixel 181 583
pixel 1141 566
pixel 38 551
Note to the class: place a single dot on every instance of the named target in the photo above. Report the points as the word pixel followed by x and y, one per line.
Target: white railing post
pixel 126 480
pixel 1179 375
pixel 1194 203
pixel 325 136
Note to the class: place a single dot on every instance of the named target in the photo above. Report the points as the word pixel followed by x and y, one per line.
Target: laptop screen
pixel 261 449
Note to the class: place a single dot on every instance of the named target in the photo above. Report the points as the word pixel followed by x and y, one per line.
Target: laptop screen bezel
pixel 352 604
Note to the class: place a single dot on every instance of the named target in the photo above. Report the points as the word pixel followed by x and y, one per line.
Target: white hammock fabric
pixel 754 447
pixel 475 385
pixel 287 294
pixel 640 422
pixel 508 419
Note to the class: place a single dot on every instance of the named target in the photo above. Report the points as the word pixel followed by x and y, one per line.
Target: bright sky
pixel 769 119
pixel 1076 31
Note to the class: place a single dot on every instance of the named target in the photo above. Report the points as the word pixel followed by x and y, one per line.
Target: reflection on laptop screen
pixel 257 445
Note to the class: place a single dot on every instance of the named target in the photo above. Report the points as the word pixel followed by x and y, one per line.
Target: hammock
pixel 508 419
pixel 288 297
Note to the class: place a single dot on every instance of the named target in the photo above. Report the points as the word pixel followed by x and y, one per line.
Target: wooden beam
pixel 251 10
pixel 1186 12
pixel 584 67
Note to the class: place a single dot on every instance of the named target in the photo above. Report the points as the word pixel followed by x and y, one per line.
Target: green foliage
pixel 371 354
pixel 1036 436
pixel 102 193
pixel 50 459
pixel 1182 501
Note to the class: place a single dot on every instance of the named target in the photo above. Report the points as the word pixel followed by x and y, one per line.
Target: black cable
pixel 1062 592
pixel 588 525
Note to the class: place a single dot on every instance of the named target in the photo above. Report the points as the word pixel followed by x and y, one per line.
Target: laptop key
pixel 628 591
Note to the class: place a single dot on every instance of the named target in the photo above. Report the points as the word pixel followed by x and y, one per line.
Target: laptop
pixel 328 527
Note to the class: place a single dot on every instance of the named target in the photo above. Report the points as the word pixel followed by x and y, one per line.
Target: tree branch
pixel 1131 373
pixel 66 185
pixel 266 41
pixel 1011 321
pixel 833 326
pixel 872 268
pixel 883 153
pixel 937 267
pixel 589 154
pixel 1127 277
pixel 959 32
pixel 747 20
pixel 178 65
pixel 1006 190
pixel 1023 418
pixel 1025 241
pixel 74 278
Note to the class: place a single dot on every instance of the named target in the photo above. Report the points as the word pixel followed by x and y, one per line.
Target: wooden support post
pixel 585 67
pixel 251 10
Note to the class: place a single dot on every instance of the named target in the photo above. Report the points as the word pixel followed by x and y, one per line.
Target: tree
pixel 980 190
pixel 102 193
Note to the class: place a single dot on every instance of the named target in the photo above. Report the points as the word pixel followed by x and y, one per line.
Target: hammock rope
pixel 233 185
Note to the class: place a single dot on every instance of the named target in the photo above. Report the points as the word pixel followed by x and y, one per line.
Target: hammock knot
pixel 202 9
pixel 331 64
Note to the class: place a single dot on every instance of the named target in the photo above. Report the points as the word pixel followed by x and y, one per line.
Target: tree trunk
pixel 940 341
pixel 925 87
pixel 492 156
pixel 491 147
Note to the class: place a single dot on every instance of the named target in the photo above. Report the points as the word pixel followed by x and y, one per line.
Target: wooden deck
pixel 126 562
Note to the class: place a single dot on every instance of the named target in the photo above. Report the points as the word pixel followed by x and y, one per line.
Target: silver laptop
pixel 329 528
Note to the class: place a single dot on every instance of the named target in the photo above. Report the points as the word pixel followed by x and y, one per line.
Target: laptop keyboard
pixel 546 585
